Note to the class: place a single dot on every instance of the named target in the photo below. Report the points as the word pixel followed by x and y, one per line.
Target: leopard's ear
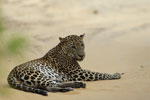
pixel 61 39
pixel 82 36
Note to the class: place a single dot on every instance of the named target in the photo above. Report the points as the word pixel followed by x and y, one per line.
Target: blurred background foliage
pixel 11 45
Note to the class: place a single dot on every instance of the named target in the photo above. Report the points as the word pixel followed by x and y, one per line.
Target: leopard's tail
pixel 13 83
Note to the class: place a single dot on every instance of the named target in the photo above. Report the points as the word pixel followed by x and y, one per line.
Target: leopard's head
pixel 73 46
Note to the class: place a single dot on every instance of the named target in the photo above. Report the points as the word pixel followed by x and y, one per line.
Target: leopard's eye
pixel 82 45
pixel 73 47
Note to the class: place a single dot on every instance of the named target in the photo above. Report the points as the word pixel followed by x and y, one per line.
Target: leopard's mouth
pixel 80 58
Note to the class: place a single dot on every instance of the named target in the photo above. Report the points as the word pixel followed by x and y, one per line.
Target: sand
pixel 117 39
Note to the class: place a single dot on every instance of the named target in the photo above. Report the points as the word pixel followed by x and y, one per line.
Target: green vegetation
pixel 12 45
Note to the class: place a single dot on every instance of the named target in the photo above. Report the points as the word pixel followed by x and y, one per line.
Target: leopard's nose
pixel 81 56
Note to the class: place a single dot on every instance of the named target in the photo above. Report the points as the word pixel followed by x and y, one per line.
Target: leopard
pixel 58 70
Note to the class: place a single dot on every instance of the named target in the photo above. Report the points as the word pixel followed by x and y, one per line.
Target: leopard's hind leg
pixel 66 87
pixel 19 85
pixel 35 82
pixel 76 84
pixel 59 89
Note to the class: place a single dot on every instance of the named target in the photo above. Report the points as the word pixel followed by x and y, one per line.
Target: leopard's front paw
pixel 116 76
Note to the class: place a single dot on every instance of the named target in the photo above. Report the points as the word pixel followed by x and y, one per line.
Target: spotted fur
pixel 53 71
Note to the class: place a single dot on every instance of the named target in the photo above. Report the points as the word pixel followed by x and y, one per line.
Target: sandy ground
pixel 117 40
